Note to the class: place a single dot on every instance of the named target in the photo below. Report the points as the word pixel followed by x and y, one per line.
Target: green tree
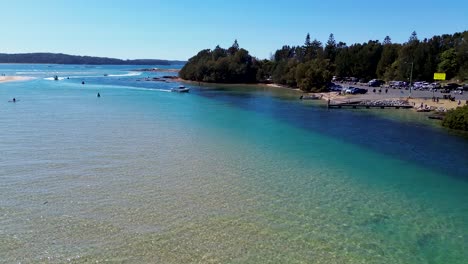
pixel 462 56
pixel 387 41
pixel 330 49
pixel 457 118
pixel 311 50
pixel 448 63
pixel 389 56
pixel 307 41
pixel 234 48
pixel 218 53
pixel 314 75
pixel 408 58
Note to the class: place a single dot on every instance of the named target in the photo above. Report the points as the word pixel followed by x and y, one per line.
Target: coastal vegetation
pixel 457 118
pixel 311 66
pixel 59 58
pixel 233 65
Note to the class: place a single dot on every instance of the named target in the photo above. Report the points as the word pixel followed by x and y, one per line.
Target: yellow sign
pixel 439 76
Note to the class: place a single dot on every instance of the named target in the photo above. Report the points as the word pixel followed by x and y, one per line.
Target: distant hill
pixel 59 58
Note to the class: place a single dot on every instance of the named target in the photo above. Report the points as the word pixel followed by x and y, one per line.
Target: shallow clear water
pixel 225 174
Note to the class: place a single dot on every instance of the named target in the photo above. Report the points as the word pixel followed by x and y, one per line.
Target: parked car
pixel 336 88
pixel 355 90
pixel 451 86
pixel 359 91
pixel 349 90
pixel 397 84
pixel 375 83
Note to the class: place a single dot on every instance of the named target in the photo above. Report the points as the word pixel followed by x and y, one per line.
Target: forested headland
pixel 59 58
pixel 311 66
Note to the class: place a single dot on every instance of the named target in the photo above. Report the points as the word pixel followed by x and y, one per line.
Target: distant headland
pixel 59 58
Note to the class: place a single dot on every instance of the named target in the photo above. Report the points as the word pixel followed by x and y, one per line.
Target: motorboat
pixel 180 89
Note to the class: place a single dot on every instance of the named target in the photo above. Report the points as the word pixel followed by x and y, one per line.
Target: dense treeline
pixel 457 118
pixel 233 65
pixel 312 65
pixel 58 58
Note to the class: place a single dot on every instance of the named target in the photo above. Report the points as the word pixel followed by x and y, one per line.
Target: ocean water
pixel 224 174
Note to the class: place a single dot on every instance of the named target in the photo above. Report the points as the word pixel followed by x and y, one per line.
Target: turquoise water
pixel 225 174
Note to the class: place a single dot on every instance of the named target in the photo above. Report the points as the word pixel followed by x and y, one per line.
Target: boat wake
pixel 53 79
pixel 126 74
pixel 95 76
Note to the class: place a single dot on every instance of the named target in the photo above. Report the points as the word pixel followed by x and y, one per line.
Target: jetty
pixel 368 104
pixel 355 106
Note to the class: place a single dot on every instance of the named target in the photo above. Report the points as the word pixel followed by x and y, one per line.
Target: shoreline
pixel 5 79
pixel 156 70
pixel 442 105
pixel 271 85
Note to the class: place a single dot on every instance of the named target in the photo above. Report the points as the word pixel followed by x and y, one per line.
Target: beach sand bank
pixel 443 103
pixel 14 78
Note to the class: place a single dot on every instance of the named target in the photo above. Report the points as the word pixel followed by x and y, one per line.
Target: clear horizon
pixel 176 30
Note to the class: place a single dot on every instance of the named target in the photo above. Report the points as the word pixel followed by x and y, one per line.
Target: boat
pixel 438 117
pixel 180 89
pixel 423 110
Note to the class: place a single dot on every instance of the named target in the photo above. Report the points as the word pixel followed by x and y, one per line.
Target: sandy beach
pixel 14 78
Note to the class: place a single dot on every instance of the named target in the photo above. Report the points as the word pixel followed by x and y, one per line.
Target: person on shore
pixel 386 90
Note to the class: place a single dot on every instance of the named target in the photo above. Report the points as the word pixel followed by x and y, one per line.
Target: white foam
pixel 126 74
pixel 100 86
pixel 96 76
pixel 53 79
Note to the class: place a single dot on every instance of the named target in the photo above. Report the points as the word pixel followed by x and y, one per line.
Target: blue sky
pixel 179 29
